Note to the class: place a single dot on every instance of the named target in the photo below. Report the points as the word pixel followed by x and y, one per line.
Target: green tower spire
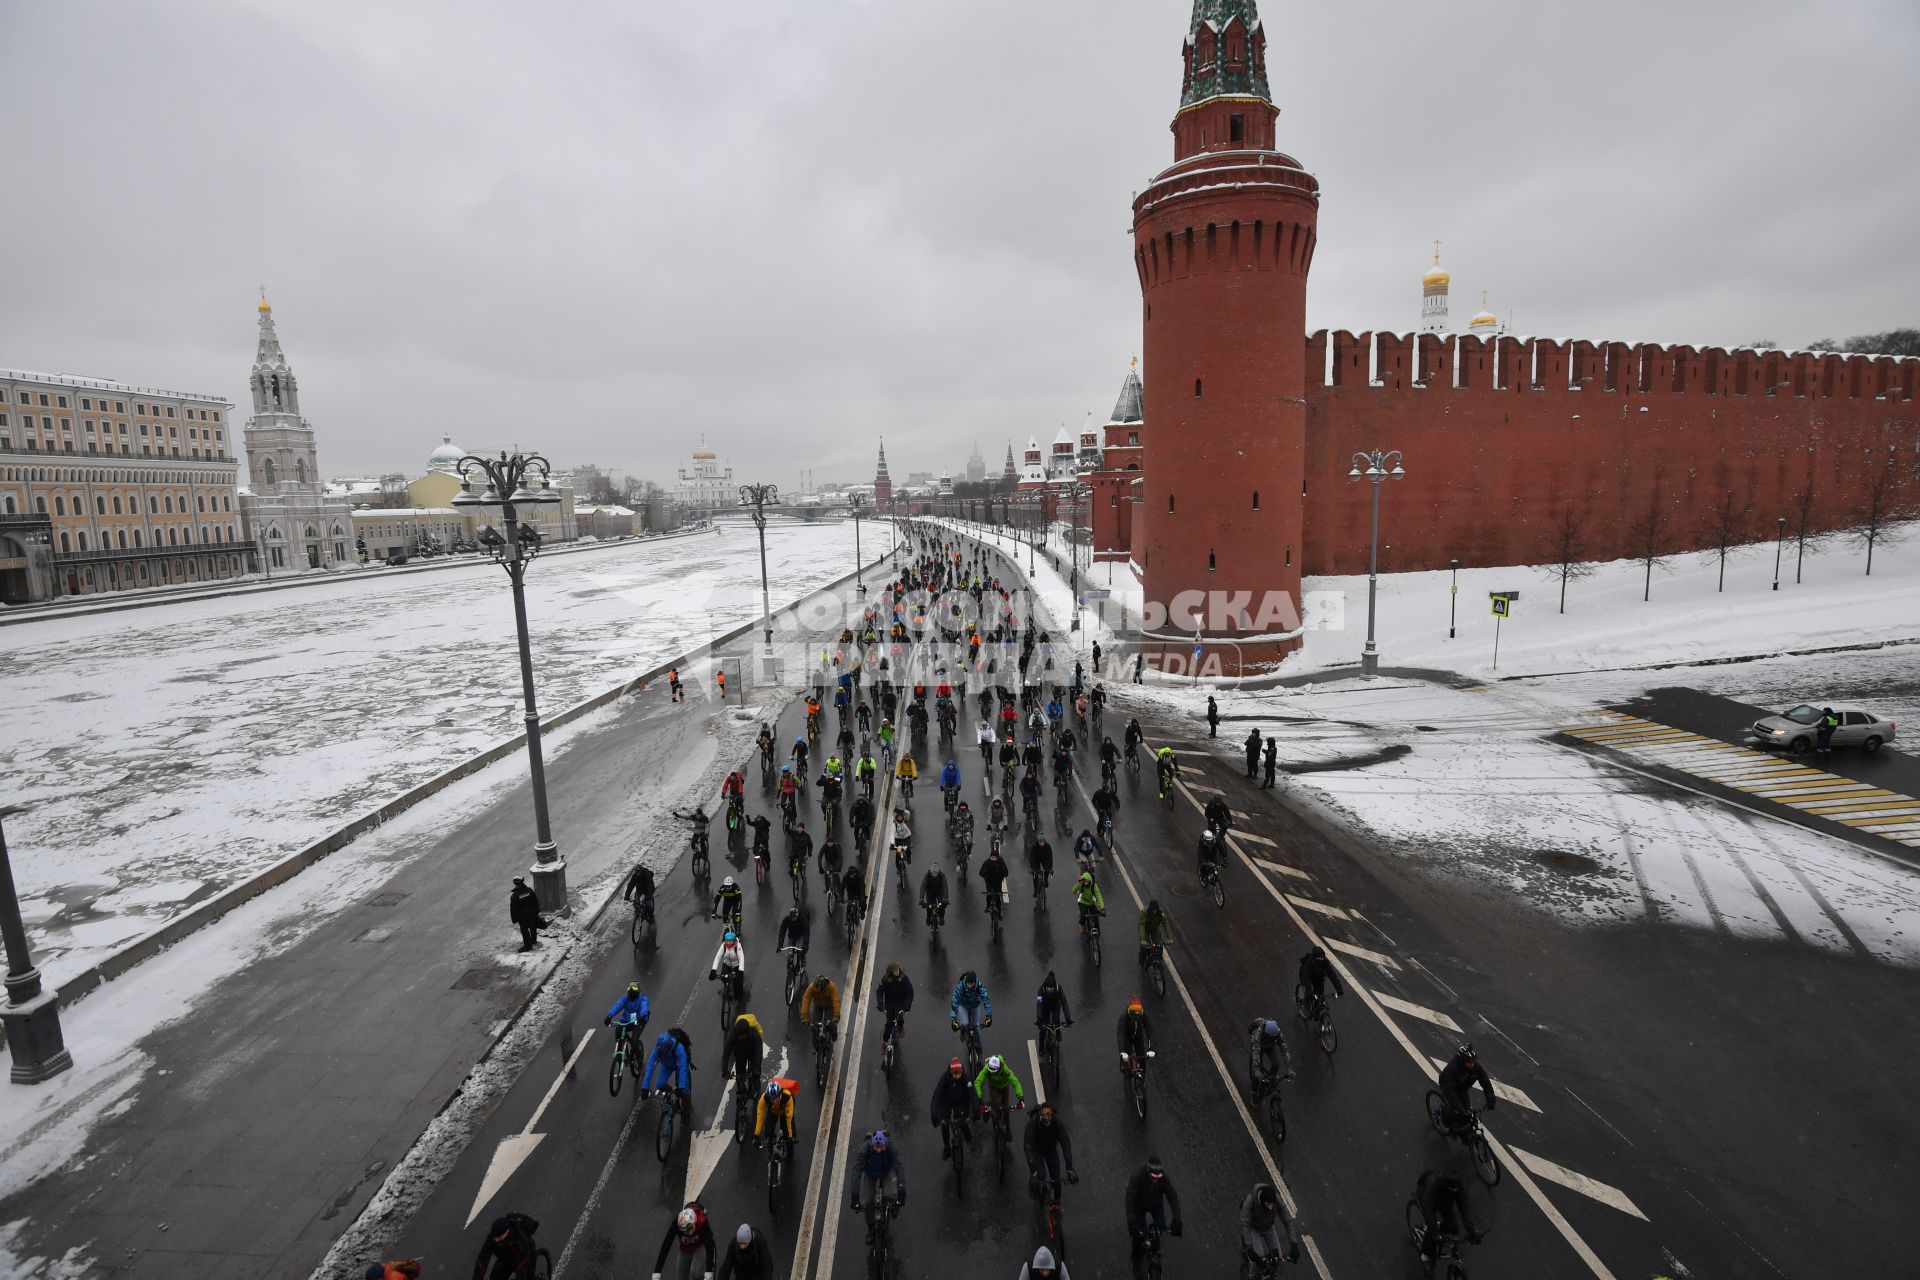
pixel 1226 52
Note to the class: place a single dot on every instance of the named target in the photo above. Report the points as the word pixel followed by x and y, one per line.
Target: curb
pixel 189 595
pixel 199 917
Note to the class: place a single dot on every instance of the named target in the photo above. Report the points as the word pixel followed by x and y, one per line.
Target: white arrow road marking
pixel 513 1151
pixel 1257 839
pixel 1267 864
pixel 1323 908
pixel 706 1146
pixel 1413 1010
pixel 1384 961
pixel 1504 1092
pixel 1577 1182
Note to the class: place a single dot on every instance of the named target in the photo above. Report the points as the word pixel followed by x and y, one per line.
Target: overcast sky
pixel 602 229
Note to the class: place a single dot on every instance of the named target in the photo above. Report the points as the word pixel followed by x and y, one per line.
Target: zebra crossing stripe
pixel 1612 1197
pixel 1413 1010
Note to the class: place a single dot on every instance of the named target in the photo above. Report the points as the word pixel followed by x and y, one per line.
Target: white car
pixel 1798 730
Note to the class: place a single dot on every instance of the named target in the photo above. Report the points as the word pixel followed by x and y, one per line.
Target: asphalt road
pixel 1714 1137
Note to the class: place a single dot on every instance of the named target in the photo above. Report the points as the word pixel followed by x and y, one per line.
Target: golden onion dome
pixel 1437 276
pixel 705 454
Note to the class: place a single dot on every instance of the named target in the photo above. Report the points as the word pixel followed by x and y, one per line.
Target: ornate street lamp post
pixel 758 496
pixel 859 565
pixel 31 1017
pixel 1779 544
pixel 507 488
pixel 1375 466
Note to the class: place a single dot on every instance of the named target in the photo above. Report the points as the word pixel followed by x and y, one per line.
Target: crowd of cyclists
pixel 945 639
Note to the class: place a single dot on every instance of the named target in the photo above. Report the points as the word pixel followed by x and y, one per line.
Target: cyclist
pixel 960 826
pixel 1050 1007
pixel 1086 892
pixel 1155 929
pixel 952 1105
pixel 1046 1143
pixel 993 874
pixel 984 735
pixel 776 1101
pixel 886 735
pixel 404 1269
pixel 860 814
pixel 674 1062
pixel 509 1246
pixel 997 817
pixel 893 995
pixel 1086 850
pixel 1040 857
pixel 1068 741
pixel 1267 1056
pixel 864 770
pixel 1150 1195
pixel 1106 802
pixel 904 772
pixel 698 820
pixel 1457 1079
pixel 735 787
pixel 1033 755
pixel 1099 703
pixel 726 899
pixel 795 931
pixel 950 781
pixel 1219 816
pixel 789 791
pixel 997 1085
pixel 751 1257
pixel 853 886
pixel 1062 763
pixel 1263 1220
pixel 1444 1208
pixel 1043 1267
pixel 1315 972
pixel 1055 712
pixel 863 716
pixel 1030 789
pixel 1208 852
pixel 933 895
pixel 877 1173
pixel 731 957
pixel 799 755
pixel 903 829
pixel 830 787
pixel 745 1047
pixel 822 998
pixel 764 744
pixel 1169 768
pixel 690 1232
pixel 1109 756
pixel 971 1006
pixel 631 1010
pixel 1135 1033
pixel 640 888
pixel 800 844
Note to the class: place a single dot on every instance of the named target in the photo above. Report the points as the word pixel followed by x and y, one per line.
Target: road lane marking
pixel 1825 807
pixel 1269 864
pixel 1039 1082
pixel 1413 1010
pixel 1880 819
pixel 1520 1175
pixel 1212 791
pixel 592 1204
pixel 1504 1092
pixel 1257 839
pixel 1323 908
pixel 1384 961
pixel 514 1149
pixel 1609 1196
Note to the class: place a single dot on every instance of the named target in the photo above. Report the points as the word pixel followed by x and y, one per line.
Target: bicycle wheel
pixel 1094 939
pixel 822 1060
pixel 1277 1115
pixel 995 915
pixel 1436 1112
pixel 663 1136
pixel 796 978
pixel 742 1113
pixel 542 1265
pixel 775 1179
pixel 1219 892
pixel 1416 1223
pixel 1138 1085
pixel 1484 1162
pixel 636 924
pixel 1158 972
pixel 760 871
pixel 1002 1143
pixel 616 1072
pixel 1329 1038
pixel 958 1136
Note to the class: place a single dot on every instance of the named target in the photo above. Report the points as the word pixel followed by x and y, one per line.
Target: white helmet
pixel 993 1063
pixel 727 883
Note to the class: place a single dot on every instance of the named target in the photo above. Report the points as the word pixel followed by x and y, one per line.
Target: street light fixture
pixel 1375 466
pixel 859 565
pixel 514 550
pixel 1453 600
pixel 32 1016
pixel 1779 544
pixel 758 496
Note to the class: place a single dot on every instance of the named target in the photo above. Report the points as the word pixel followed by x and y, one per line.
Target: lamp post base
pixel 1369 661
pixel 550 881
pixel 34 1040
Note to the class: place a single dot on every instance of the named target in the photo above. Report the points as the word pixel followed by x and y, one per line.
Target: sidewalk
pixel 251 1124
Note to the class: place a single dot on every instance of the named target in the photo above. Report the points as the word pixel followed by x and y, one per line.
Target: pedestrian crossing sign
pixel 1500 605
pixel 1503 602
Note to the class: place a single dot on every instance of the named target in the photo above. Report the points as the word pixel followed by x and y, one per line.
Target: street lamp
pixel 1375 466
pixel 32 1017
pixel 758 496
pixel 1779 544
pixel 859 565
pixel 507 489
pixel 1453 600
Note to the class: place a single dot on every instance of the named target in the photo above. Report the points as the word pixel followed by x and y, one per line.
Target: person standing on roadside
pixel 523 908
pixel 673 684
pixel 1823 735
pixel 1268 761
pixel 1253 751
pixel 1213 717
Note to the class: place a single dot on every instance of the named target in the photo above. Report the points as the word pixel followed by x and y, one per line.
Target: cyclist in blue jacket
pixel 971 1005
pixel 670 1057
pixel 631 1007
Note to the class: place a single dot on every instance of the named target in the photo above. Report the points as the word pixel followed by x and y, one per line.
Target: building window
pixel 63 402
pixel 83 539
pixel 100 503
pixel 1236 128
pixel 1211 562
pixel 1133 437
pixel 66 543
pixel 59 505
pixel 1169 504
pixel 1289 555
pixel 1196 388
pixel 1256 499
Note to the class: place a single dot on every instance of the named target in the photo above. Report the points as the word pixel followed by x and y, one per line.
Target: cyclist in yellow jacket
pixel 775 1099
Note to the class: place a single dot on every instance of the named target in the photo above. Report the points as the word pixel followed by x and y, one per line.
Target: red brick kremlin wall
pixel 1500 436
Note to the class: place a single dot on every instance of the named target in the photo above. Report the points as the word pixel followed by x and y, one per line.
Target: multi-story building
pixel 289 513
pixel 400 534
pixel 135 486
pixel 435 490
pixel 707 484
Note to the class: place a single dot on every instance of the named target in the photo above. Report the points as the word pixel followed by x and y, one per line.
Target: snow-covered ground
pixel 1469 782
pixel 164 753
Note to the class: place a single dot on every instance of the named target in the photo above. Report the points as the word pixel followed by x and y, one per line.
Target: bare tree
pixel 1569 553
pixel 1650 539
pixel 1727 527
pixel 1885 497
pixel 1805 536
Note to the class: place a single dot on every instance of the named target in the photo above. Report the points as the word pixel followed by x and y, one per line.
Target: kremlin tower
pixel 882 482
pixel 1433 295
pixel 1223 239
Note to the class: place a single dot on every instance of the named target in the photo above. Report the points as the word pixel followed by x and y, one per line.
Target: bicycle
pixel 663 1135
pixel 970 1038
pixel 746 1093
pixel 1091 928
pixel 1109 776
pixel 730 998
pixel 1052 1223
pixel 936 916
pixel 959 1132
pixel 797 875
pixel 700 863
pixel 1266 1089
pixel 1155 965
pixel 645 927
pixel 1316 1013
pixel 626 1055
pixel 730 917
pixel 822 1050
pixel 1264 1267
pixel 1133 763
pixel 1137 1081
pixel 996 912
pixel 829 814
pixel 789 805
pixel 1166 790
pixel 762 864
pixel 1446 1248
pixel 890 1040
pixel 1041 876
pixel 813 724
pixel 1103 828
pixel 736 813
pixel 796 974
pixel 902 856
pixel 1006 779
pixel 1211 882
pixel 1002 1120
pixel 1051 1039
pixel 1146 1262
pixel 1467 1129
pixel 779 1154
pixel 855 909
pixel 880 1259
pixel 830 878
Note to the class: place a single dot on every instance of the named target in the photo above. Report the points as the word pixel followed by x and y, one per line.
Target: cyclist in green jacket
pixel 1086 892
pixel 996 1078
